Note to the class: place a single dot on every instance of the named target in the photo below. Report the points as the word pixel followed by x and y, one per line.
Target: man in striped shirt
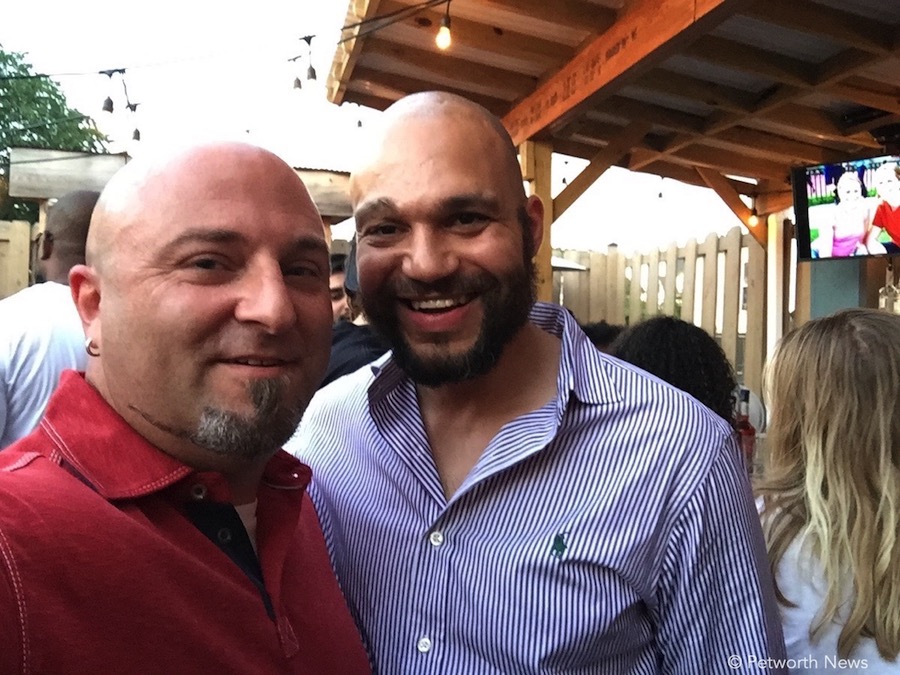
pixel 497 495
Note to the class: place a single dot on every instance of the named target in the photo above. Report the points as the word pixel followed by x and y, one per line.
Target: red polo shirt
pixel 105 566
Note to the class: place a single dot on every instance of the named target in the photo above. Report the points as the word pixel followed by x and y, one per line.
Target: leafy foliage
pixel 34 114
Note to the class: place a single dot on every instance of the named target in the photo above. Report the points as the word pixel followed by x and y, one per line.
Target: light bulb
pixel 753 220
pixel 443 38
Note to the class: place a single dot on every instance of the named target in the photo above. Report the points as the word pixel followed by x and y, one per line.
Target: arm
pixel 717 604
pixel 825 241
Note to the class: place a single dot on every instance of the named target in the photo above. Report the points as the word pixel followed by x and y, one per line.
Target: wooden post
pixel 534 158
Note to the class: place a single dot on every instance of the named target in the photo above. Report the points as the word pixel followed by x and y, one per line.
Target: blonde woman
pixel 831 491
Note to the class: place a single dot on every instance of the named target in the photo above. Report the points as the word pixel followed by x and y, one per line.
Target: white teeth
pixel 255 362
pixel 437 303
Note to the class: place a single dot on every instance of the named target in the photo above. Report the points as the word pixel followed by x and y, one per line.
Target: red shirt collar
pixel 117 461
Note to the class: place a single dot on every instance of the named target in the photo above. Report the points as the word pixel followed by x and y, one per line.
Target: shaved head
pixel 433 110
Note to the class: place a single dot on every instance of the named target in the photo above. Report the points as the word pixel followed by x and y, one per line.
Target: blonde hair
pixel 833 468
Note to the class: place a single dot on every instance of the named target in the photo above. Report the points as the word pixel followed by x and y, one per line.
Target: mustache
pixel 455 284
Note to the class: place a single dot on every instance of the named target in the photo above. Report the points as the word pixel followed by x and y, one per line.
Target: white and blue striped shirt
pixel 611 531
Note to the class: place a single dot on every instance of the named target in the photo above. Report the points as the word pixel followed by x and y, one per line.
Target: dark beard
pixel 226 433
pixel 506 303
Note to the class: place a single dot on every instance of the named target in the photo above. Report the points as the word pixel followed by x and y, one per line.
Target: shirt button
pixel 198 491
pixel 224 536
pixel 436 538
pixel 424 645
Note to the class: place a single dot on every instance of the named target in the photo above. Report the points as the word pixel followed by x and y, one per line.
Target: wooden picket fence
pixel 15 252
pixel 718 284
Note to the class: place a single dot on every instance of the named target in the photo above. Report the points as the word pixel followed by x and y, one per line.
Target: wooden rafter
pixel 733 201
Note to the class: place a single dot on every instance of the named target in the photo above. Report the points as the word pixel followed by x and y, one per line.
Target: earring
pixel 91 348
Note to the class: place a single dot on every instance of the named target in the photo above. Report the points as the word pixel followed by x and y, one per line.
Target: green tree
pixel 34 114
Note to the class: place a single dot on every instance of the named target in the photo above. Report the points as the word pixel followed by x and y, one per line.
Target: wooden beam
pixel 645 33
pixel 816 123
pixel 629 109
pixel 702 91
pixel 352 95
pixel 773 147
pixel 384 82
pixel 744 58
pixel 535 160
pixel 851 30
pixel 457 71
pixel 880 101
pixel 574 14
pixel 348 50
pixel 862 128
pixel 618 147
pixel 47 174
pixel 732 200
pixel 773 202
pixel 330 190
pixel 483 37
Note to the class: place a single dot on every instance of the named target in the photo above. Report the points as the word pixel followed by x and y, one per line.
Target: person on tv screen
pixel 887 213
pixel 848 230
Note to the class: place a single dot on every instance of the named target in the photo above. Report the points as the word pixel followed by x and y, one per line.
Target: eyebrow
pixel 464 202
pixel 305 243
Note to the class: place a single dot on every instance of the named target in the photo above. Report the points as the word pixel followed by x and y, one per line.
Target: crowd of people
pixel 487 488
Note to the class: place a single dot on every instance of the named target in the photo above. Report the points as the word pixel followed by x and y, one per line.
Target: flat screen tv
pixel 848 209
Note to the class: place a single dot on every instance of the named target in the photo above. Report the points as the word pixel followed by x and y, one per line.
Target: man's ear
pixel 534 207
pixel 45 249
pixel 84 283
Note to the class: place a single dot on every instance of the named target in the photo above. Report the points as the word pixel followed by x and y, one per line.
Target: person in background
pixel 151 524
pixel 887 213
pixel 353 343
pixel 602 334
pixel 336 285
pixel 499 495
pixel 685 356
pixel 830 488
pixel 40 331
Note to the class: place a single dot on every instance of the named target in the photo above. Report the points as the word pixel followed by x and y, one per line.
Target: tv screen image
pixel 848 209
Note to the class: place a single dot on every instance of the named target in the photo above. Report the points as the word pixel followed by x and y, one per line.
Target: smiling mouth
pixel 258 363
pixel 439 304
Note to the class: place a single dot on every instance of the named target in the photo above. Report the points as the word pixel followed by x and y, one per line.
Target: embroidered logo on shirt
pixel 559 545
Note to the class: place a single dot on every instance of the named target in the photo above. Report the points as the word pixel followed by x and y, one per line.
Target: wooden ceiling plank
pixel 733 201
pixel 348 51
pixel 617 148
pixel 773 202
pixel 873 99
pixel 707 93
pixel 675 120
pixel 816 123
pixel 861 128
pixel 779 148
pixel 641 37
pixel 490 39
pixel 851 30
pixel 574 14
pixel 452 68
pixel 748 59
pixel 409 85
pixel 366 99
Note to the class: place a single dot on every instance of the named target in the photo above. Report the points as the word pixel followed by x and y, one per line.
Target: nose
pixel 429 256
pixel 265 299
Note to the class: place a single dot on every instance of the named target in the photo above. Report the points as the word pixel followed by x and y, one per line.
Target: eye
pixel 470 219
pixel 387 229
pixel 302 269
pixel 207 263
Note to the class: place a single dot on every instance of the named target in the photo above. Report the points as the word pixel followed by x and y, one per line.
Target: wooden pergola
pixel 728 94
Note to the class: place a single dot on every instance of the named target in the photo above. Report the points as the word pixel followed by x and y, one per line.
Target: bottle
pixel 889 294
pixel 746 431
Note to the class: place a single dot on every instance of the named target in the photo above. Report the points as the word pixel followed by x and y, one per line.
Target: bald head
pixel 66 233
pixel 149 186
pixel 427 119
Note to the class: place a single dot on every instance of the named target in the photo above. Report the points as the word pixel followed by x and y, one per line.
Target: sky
pixel 203 70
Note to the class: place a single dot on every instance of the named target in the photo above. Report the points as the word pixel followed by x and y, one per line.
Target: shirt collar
pixel 584 369
pixel 117 461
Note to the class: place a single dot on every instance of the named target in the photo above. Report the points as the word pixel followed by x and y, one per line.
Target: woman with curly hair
pixel 685 356
pixel 830 495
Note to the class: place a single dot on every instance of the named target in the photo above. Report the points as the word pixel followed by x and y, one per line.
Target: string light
pixel 753 218
pixel 443 39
